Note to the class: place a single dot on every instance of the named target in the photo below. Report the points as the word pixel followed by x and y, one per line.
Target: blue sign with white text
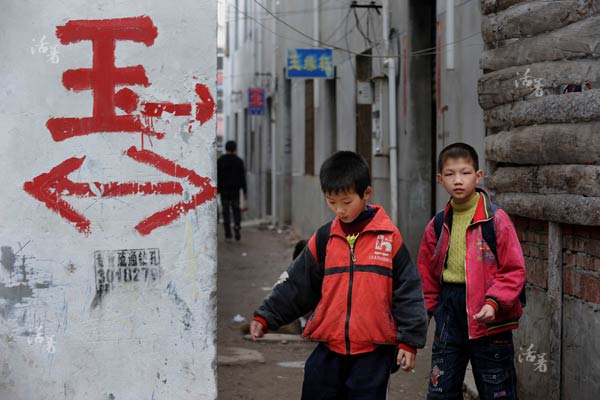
pixel 310 63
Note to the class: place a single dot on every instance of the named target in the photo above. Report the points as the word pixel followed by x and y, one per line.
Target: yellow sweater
pixel 462 215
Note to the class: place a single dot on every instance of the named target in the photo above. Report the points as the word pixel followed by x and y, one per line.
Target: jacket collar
pixel 380 222
pixel 483 210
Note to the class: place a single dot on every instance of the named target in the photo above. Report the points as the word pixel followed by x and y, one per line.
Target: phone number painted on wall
pixel 119 267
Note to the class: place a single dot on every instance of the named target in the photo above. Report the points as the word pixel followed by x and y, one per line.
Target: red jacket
pixel 486 280
pixel 364 296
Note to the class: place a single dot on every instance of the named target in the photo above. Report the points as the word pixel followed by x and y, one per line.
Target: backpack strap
pixel 438 222
pixel 488 231
pixel 322 237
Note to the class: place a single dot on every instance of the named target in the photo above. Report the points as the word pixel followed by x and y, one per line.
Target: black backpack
pixel 488 232
pixel 321 239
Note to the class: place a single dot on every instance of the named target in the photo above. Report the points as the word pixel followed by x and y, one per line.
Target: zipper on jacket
pixel 466 298
pixel 349 302
pixel 466 278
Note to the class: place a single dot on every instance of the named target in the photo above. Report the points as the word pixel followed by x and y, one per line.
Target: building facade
pixel 305 120
pixel 483 72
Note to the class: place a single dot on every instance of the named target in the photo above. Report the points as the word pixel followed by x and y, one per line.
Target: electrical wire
pixel 320 42
pixel 267 28
pixel 337 28
pixel 366 37
pixel 346 20
pixel 285 13
pixel 417 53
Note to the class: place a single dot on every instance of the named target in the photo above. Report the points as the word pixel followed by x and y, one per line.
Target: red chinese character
pixel 104 76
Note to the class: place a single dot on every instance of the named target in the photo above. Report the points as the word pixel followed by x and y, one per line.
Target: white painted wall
pixel 152 338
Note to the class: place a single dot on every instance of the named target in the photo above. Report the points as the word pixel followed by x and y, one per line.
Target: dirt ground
pixel 246 272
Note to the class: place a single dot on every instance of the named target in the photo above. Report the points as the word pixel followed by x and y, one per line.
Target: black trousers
pixel 333 376
pixel 231 203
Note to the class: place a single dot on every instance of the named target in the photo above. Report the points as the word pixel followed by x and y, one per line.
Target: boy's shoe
pixel 228 238
pixel 236 230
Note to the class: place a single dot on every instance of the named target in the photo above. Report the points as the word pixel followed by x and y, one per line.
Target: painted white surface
pixel 141 340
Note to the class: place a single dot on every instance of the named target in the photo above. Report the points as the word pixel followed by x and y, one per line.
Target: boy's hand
pixel 256 330
pixel 406 360
pixel 487 314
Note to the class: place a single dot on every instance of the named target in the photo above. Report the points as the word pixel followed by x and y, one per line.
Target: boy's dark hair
pixel 458 150
pixel 344 171
pixel 300 245
pixel 231 146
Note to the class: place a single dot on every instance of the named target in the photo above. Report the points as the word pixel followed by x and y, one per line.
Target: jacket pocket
pixel 310 324
pixel 497 384
pixel 391 325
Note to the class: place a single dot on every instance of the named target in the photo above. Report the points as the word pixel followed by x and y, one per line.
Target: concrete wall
pixel 580 314
pixel 107 286
pixel 307 190
pixel 531 340
pixel 581 348
pixel 415 128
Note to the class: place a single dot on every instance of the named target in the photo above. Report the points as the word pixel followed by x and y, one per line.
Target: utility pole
pixel 390 63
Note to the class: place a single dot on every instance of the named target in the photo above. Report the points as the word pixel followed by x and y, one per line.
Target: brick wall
pixel 581 262
pixel 581 257
pixel 533 235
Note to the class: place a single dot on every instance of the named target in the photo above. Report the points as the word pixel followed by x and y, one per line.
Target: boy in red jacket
pixel 357 276
pixel 471 289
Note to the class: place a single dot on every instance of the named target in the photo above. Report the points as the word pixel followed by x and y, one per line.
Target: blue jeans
pixel 492 357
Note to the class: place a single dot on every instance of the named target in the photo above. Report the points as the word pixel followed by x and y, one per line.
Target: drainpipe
pixel 390 63
pixel 263 122
pixel 450 49
pixel 274 123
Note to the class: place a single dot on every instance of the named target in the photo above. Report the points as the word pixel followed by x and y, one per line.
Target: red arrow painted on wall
pixel 50 187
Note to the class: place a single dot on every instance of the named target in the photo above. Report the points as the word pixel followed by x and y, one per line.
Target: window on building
pixel 330 93
pixel 227 33
pixel 309 127
pixel 364 109
pixel 245 136
pixel 236 124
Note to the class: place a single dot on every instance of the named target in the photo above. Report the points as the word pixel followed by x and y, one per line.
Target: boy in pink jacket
pixel 473 273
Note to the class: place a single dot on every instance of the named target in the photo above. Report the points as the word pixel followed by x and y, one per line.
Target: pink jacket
pixel 486 280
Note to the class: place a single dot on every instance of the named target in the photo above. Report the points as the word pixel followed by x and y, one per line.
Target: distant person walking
pixel 231 177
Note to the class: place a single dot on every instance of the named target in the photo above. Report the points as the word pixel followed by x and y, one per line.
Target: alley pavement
pixel 272 368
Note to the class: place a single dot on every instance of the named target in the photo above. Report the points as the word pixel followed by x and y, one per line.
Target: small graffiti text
pixel 114 267
pixel 538 359
pixel 41 46
pixel 527 81
pixel 40 339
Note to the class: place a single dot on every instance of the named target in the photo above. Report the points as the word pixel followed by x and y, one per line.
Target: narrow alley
pixel 271 369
